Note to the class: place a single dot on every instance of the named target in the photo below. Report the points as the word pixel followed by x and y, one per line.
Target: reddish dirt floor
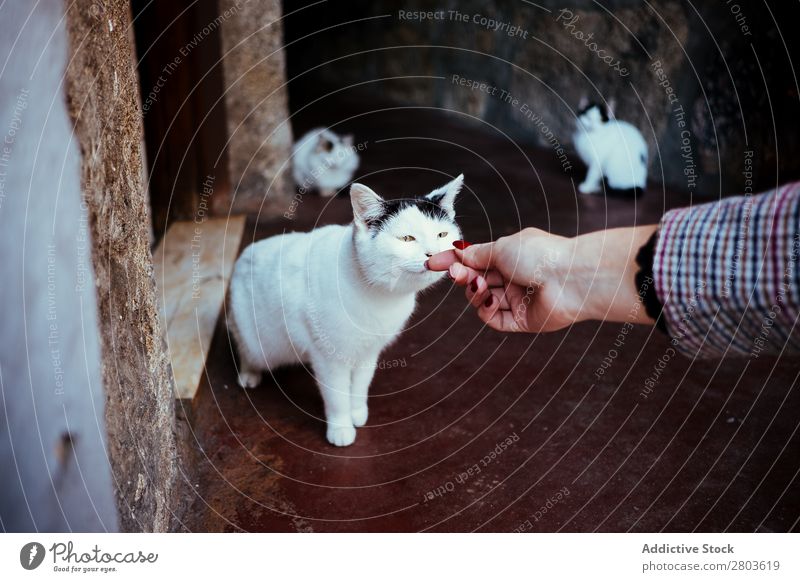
pixel 473 430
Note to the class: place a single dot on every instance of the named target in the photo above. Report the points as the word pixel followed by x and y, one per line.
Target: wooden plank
pixel 193 266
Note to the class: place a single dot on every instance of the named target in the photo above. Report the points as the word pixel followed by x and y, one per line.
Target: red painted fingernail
pixel 474 286
pixel 426 266
pixel 461 244
pixel 489 301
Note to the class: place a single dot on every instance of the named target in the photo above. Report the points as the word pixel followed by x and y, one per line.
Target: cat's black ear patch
pixel 324 144
pixel 600 107
pixel 436 198
pixel 431 205
pixel 394 207
pixel 390 208
pixel 445 197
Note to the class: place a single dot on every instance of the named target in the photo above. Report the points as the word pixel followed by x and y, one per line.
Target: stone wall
pixel 686 75
pixel 256 105
pixel 102 97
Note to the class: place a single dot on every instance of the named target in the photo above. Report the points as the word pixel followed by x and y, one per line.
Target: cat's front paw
pixel 587 188
pixel 341 436
pixel 360 415
pixel 249 379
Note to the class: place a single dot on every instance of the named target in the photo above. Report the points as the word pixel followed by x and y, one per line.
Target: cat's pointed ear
pixel 367 205
pixel 446 195
pixel 348 140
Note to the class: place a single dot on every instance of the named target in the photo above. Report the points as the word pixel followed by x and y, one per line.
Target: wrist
pixel 605 272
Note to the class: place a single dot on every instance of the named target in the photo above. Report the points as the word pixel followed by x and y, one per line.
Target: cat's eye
pixel 407 238
pixel 442 234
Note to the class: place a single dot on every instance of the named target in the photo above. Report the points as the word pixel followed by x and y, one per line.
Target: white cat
pixel 324 161
pixel 335 297
pixel 613 150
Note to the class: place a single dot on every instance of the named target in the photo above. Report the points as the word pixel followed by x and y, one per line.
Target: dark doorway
pixel 178 51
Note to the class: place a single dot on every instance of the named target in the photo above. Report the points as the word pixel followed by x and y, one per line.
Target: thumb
pixel 478 256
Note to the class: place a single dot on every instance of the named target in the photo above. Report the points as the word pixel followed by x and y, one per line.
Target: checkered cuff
pixel 726 273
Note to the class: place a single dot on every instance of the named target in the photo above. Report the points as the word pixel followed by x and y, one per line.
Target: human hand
pixel 535 281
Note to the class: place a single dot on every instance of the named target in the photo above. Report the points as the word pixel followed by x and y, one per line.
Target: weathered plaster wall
pixel 256 105
pixel 53 461
pixel 102 95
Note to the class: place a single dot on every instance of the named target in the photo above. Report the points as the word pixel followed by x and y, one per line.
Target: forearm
pixel 604 269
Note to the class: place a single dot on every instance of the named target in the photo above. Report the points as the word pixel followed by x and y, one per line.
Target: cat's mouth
pixel 414 269
pixel 418 269
pixel 423 270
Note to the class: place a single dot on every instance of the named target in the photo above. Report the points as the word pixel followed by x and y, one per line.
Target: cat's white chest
pixel 364 326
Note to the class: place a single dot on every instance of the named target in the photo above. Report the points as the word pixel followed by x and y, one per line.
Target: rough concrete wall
pixel 256 105
pixel 574 71
pixel 140 416
pixel 708 84
pixel 556 65
pixel 536 61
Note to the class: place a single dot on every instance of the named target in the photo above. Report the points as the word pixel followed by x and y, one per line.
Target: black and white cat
pixel 324 161
pixel 335 297
pixel 614 151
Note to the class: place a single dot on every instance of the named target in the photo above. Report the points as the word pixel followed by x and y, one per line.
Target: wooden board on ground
pixel 193 266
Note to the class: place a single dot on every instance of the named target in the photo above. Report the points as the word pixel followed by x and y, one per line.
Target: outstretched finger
pixel 441 261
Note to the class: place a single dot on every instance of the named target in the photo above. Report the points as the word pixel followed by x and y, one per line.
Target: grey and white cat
pixel 324 161
pixel 335 297
pixel 614 151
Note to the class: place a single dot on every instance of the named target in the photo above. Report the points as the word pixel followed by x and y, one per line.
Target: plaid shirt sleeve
pixel 726 274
